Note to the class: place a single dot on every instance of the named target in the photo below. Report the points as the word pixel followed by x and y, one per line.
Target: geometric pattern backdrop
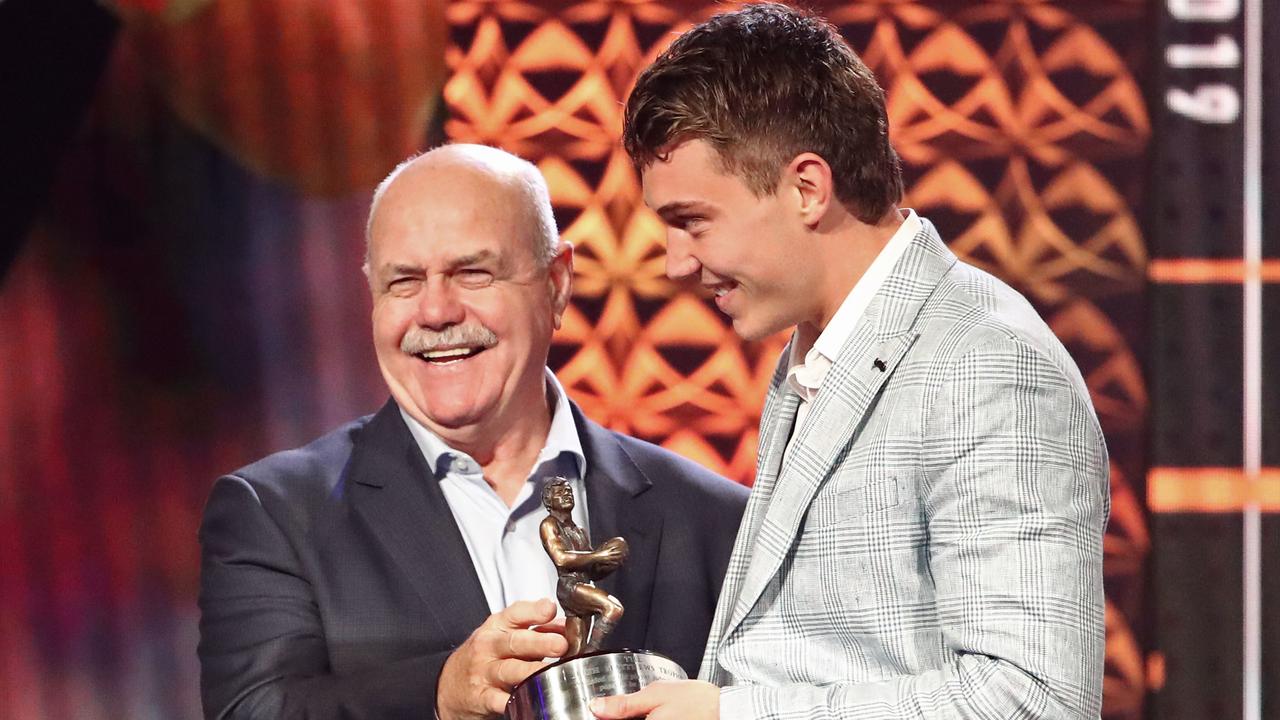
pixel 189 297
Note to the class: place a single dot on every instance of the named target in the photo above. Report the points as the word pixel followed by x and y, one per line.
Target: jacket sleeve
pixel 262 647
pixel 1016 501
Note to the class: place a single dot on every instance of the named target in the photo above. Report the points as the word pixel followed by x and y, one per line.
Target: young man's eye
pixel 693 223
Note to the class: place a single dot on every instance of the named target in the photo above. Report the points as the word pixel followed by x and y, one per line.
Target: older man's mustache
pixel 419 340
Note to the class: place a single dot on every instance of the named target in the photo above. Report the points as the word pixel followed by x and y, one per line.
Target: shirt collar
pixel 562 436
pixel 808 375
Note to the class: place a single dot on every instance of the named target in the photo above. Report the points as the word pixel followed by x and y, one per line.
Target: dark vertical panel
pixel 1271 458
pixel 1196 366
pixel 1271 141
pixel 1197 155
pixel 1196 375
pixel 1197 580
pixel 1271 379
pixel 1270 614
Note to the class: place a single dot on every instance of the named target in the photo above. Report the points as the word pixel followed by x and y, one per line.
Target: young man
pixel 924 537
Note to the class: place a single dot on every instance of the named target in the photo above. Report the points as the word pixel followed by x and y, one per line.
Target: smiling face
pixel 463 311
pixel 748 251
pixel 557 496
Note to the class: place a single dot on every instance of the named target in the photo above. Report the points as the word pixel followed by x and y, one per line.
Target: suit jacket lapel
pixel 866 361
pixel 392 488
pixel 817 448
pixel 613 483
pixel 775 422
pixel 780 415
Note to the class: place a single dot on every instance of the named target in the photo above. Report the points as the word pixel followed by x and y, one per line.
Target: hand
pixel 477 679
pixel 613 552
pixel 663 700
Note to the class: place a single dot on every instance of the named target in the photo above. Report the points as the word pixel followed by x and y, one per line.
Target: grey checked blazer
pixel 931 547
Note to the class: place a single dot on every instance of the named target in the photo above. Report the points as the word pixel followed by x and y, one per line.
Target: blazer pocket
pixel 880 494
pixel 854 503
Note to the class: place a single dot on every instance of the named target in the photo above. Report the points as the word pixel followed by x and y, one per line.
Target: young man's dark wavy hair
pixel 763 84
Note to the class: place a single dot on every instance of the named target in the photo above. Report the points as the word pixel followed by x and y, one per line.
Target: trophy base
pixel 562 691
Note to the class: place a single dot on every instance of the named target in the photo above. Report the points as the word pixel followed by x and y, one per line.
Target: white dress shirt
pixel 805 378
pixel 504 542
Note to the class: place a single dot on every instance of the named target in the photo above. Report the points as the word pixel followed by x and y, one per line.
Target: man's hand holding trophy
pixel 562 690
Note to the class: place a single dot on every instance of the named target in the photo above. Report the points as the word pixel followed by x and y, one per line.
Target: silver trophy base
pixel 563 690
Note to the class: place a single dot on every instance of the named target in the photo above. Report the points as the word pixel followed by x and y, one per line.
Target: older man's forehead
pixel 453 212
pixel 461 203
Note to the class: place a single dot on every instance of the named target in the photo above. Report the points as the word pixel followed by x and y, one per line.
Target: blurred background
pixel 183 191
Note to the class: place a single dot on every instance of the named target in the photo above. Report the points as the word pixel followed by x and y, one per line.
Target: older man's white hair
pixel 518 172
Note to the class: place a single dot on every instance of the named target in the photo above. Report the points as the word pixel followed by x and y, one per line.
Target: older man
pixel 393 569
pixel 924 538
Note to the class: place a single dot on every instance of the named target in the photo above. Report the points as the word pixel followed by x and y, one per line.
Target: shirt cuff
pixel 735 703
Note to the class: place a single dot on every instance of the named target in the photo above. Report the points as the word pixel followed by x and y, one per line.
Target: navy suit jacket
pixel 335 582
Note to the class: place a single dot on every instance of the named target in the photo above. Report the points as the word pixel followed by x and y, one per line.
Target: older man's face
pixel 462 312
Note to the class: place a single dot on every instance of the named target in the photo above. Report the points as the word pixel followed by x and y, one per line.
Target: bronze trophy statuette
pixel 562 690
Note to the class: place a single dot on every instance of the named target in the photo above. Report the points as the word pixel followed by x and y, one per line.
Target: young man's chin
pixel 752 331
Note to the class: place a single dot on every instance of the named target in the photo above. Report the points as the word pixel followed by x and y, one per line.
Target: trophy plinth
pixel 563 690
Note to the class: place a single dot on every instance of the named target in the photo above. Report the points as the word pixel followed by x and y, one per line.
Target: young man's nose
pixel 681 262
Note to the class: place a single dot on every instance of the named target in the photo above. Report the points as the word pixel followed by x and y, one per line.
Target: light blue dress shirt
pixel 504 543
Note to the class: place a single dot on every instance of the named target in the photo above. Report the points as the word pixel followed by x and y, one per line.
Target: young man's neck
pixel 844 253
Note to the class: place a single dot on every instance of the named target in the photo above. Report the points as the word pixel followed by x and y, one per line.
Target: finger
pixel 555 626
pixel 622 707
pixel 508 673
pixel 524 613
pixel 559 644
pixel 522 644
pixel 494 700
pixel 535 645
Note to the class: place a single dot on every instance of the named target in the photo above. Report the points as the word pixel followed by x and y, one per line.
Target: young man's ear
pixel 560 276
pixel 810 184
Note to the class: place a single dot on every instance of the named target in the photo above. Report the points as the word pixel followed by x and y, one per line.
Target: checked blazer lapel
pixel 865 363
pixel 392 489
pixel 779 414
